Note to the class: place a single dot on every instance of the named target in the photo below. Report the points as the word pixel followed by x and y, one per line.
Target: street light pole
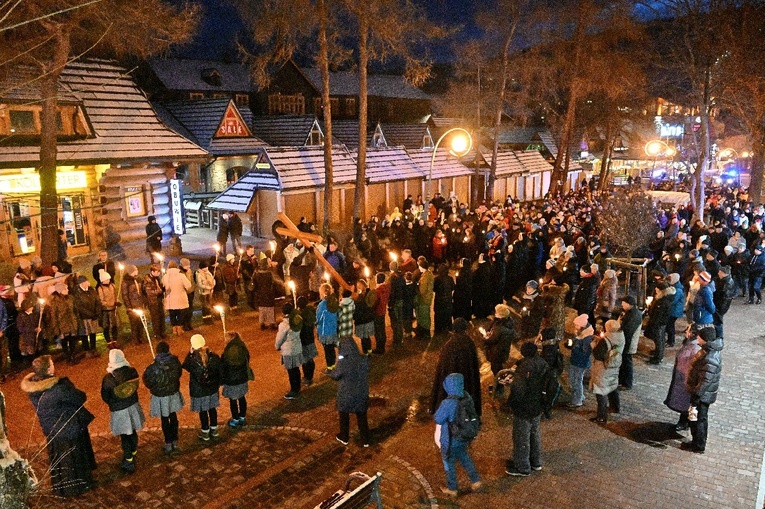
pixel 461 145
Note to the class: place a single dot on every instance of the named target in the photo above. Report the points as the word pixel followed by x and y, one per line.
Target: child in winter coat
pixel 364 315
pixel 27 322
pixel 326 324
pixel 204 369
pixel 163 379
pixel 307 339
pixel 236 375
pixel 119 390
pixel 289 345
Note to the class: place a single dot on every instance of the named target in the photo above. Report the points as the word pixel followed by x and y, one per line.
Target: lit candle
pixel 327 276
pixel 291 285
pixel 482 331
pixel 141 315
pixel 272 247
pixel 393 256
pixel 677 257
pixel 367 273
pixel 121 268
pixel 648 300
pixel 541 280
pixel 39 321
pixel 222 313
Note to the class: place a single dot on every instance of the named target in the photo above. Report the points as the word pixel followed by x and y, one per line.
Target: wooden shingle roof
pixel 303 167
pixel 189 75
pixel 445 165
pixel 378 85
pixel 389 164
pixel 513 162
pixel 532 161
pixel 239 195
pixel 283 130
pixel 201 120
pixel 125 127
pixel 411 136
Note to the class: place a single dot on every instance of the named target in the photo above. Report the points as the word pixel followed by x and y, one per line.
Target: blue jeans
pixel 527 443
pixel 458 451
pixel 575 378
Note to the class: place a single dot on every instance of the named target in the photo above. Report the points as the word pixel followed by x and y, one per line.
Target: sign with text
pixel 30 182
pixel 176 206
pixel 233 125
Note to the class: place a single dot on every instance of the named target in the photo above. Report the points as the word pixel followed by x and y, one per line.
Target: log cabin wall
pixel 128 196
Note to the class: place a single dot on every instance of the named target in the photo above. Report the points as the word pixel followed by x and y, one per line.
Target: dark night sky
pixel 221 24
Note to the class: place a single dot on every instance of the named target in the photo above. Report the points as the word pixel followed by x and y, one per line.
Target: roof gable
pixel 285 130
pixel 408 135
pixel 125 126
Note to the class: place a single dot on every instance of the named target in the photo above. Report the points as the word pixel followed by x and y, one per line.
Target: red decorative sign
pixel 232 125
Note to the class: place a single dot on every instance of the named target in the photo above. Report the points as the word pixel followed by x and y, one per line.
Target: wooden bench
pixel 363 495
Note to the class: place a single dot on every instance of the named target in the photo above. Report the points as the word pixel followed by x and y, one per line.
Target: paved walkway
pixel 288 456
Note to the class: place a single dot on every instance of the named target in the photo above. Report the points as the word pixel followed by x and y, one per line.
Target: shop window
pixel 242 100
pixel 135 202
pixel 23 238
pixel 279 104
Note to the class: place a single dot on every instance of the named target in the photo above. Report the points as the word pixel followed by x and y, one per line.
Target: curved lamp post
pixel 461 145
pixel 656 148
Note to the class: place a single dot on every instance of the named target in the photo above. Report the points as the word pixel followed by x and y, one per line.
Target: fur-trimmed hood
pixel 30 386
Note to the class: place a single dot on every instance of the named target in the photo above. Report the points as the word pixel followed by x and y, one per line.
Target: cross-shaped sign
pixel 309 239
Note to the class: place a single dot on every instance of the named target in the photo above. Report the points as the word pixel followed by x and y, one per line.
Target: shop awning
pixel 240 194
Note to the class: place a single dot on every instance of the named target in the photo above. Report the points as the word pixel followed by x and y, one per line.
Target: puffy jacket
pixel 236 359
pixel 725 292
pixel 107 294
pixel 265 288
pixel 658 314
pixel 152 289
pixel 176 285
pixel 63 320
pixel 383 295
pixel 586 294
pixel 704 306
pixel 205 281
pixel 56 401
pixel 704 376
pixel 497 345
pixel 288 340
pixel 345 318
pixel 526 390
pixel 352 371
pixel 454 385
pixel 326 321
pixel 125 374
pixel 163 376
pixel 193 364
pixel 86 303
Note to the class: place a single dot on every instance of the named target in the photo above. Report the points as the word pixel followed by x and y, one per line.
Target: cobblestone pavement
pixel 288 456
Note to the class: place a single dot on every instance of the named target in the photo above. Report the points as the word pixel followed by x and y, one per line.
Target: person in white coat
pixel 177 287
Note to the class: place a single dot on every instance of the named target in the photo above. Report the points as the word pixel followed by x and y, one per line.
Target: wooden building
pixel 522 174
pixel 297 91
pixel 115 161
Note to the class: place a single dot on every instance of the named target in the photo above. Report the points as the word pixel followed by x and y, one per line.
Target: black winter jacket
pixel 123 375
pixel 235 359
pixel 163 376
pixel 725 291
pixel 56 400
pixel 704 375
pixel 526 390
pixel 193 364
pixel 87 305
pixel 497 345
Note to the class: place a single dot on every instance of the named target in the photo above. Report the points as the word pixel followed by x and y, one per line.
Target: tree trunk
pixel 359 205
pixel 605 162
pixel 49 150
pixel 560 168
pixel 500 104
pixel 756 171
pixel 323 58
pixel 705 149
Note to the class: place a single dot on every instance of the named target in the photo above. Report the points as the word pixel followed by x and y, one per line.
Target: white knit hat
pixel 197 341
pixel 104 276
pixel 116 360
pixel 581 321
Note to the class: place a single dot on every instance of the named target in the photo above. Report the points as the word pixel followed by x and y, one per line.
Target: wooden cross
pixel 309 240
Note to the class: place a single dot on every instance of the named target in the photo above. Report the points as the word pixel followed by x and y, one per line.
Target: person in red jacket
pixel 381 304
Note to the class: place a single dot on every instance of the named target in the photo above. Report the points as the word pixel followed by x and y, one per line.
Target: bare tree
pixel 49 34
pixel 282 29
pixel 627 222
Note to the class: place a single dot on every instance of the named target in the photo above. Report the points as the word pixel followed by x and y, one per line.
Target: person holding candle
pixel 631 321
pixel 205 282
pixel 230 273
pixel 265 296
pixel 188 314
pixel 307 339
pixel 87 306
pixel 63 321
pixel 658 316
pixel 382 295
pixel 154 298
pixel 131 297
pixel 236 374
pixel 580 359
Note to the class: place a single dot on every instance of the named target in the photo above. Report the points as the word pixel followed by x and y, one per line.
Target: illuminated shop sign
pixel 30 182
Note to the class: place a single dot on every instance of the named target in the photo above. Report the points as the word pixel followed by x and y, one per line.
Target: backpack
pixel 467 423
pixel 612 353
pixel 125 389
pixel 550 390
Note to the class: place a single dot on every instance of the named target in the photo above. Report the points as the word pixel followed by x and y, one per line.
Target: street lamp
pixel 461 144
pixel 657 148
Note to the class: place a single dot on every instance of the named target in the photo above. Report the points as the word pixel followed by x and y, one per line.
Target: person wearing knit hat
pixel 236 374
pixel 605 296
pixel 230 274
pixel 532 289
pixel 205 375
pixel 107 295
pixel 163 379
pixel 677 306
pixel 631 321
pixel 63 320
pixel 22 280
pixel 59 407
pixel 604 374
pixel 702 383
pixel 723 295
pixel 288 344
pixel 130 289
pixel 119 390
pixel 177 287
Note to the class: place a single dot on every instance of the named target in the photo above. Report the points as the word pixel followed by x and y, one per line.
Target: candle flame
pixel 139 312
pixel 272 245
pixel 219 308
pixel 159 256
pixel 291 284
pixel 482 330
pixel 120 266
pixel 216 246
pixel 366 271
pixel 41 301
pixel 327 276
pixel 393 256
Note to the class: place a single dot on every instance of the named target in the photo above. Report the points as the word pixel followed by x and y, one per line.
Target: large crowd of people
pixel 500 278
